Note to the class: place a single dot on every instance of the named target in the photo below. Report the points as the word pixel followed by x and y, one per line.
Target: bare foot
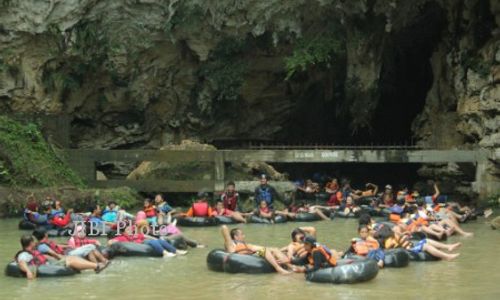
pixel 284 272
pixel 380 264
pixel 451 257
pixel 454 247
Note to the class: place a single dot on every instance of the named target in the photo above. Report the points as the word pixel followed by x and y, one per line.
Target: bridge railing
pixel 84 162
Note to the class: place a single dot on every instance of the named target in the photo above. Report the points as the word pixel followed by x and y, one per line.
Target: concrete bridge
pixel 83 162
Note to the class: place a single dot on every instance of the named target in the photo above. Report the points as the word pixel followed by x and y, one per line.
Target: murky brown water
pixel 476 273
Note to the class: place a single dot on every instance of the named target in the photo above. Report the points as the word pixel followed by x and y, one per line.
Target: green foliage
pixel 26 159
pixel 318 50
pixel 225 69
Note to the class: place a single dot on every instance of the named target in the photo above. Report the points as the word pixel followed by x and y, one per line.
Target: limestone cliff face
pixel 147 73
pixel 462 108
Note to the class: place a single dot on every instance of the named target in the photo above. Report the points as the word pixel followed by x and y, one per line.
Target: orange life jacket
pixel 329 257
pixel 362 247
pixel 395 218
pixel 242 248
pixel 415 224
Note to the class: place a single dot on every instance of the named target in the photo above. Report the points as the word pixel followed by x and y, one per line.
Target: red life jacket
pixel 38 258
pixel 200 209
pixel 82 241
pixel 150 211
pixel 230 202
pixel 53 246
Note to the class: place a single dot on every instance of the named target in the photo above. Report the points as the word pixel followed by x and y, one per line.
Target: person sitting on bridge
pixel 264 192
pixel 230 197
pixel 200 208
pixel 234 242
pixel 219 210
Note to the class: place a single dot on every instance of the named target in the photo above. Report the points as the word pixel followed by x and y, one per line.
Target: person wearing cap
pixel 317 257
pixel 265 192
pixel 200 208
pixel 234 242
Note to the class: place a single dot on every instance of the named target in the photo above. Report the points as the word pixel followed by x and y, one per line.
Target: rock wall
pixel 463 106
pixel 148 73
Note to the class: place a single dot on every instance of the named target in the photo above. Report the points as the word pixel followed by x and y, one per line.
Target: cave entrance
pixel 405 79
pixel 406 75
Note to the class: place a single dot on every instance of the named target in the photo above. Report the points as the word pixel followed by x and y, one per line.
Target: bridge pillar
pixel 485 185
pixel 220 170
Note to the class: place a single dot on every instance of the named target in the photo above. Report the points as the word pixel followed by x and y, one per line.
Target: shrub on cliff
pixel 26 159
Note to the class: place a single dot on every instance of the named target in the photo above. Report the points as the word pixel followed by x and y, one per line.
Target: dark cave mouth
pixel 405 79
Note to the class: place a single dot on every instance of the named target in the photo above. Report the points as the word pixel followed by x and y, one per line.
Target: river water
pixel 475 274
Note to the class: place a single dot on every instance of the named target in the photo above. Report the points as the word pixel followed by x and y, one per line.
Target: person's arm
pixel 309 230
pixel 228 242
pixel 375 190
pixel 23 266
pixel 71 243
pixel 256 197
pixel 290 251
pixel 44 249
pixel 436 192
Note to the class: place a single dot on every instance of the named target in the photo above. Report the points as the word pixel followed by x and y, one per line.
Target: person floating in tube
pixel 234 242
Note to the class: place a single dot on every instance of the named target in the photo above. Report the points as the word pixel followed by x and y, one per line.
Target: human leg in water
pixel 96 256
pixel 81 264
pixel 272 260
pixel 435 248
pixel 429 230
pixel 319 213
pixel 238 217
pixel 456 228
